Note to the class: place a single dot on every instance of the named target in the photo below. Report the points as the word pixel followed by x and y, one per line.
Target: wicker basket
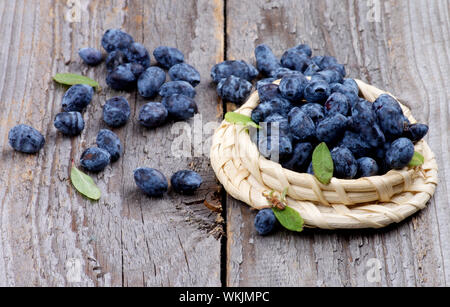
pixel 370 202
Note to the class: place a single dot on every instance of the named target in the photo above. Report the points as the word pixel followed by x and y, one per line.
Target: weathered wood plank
pixel 126 238
pixel 405 51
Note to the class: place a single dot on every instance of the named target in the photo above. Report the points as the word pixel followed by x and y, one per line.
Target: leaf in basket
pixel 322 163
pixel 72 79
pixel 416 160
pixel 289 218
pixel 236 118
pixel 84 184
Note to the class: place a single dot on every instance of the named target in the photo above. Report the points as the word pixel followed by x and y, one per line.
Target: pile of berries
pixel 315 103
pixel 128 66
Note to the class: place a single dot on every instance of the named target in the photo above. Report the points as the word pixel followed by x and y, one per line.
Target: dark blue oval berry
pixel 314 110
pixel 180 107
pixel 234 89
pixel 137 53
pixel 153 114
pixel 114 60
pixel 275 148
pixel 77 98
pixel 317 91
pixel 168 56
pixel 325 61
pixel 300 157
pixel 264 81
pixel 399 153
pixel 177 87
pixel 311 70
pixel 415 132
pixel 331 128
pixel 354 142
pixel 109 141
pixel 151 181
pixel 186 182
pixel 337 103
pixel 116 112
pixel 25 139
pixel 331 76
pixel 295 60
pixel 292 87
pixel 301 125
pixel 121 78
pixel 151 81
pixel 367 167
pixel 91 56
pixel 265 222
pixel 69 123
pixel 391 121
pixel 136 68
pixel 345 165
pixel 95 159
pixel 115 39
pixel 276 105
pixel 385 100
pixel 268 92
pixel 266 61
pixel 303 48
pixel 185 72
pixel 284 72
pixel 239 69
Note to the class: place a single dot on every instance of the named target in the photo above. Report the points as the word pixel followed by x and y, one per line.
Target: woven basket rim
pixel 344 203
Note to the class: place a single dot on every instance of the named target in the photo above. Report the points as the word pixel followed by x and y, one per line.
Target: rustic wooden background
pixel 127 239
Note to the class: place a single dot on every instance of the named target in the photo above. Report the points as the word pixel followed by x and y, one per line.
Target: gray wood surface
pixel 127 239
pixel 406 53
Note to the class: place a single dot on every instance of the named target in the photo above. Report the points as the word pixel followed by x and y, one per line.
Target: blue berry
pixel 326 61
pixel 116 111
pixel 151 81
pixel 95 159
pixel 337 103
pixel 346 90
pixel 311 70
pixel 345 165
pixel 77 98
pixel 239 69
pixel 385 100
pixel 295 60
pixel 180 107
pixel 301 125
pixel 168 56
pixel 339 68
pixel 264 81
pixel 186 182
pixel 91 56
pixel 314 110
pixel 276 122
pixel 280 152
pixel 363 115
pixel 331 76
pixel 310 169
pixel 282 72
pixel 121 78
pixel 317 60
pixel 415 132
pixel 109 141
pixel 177 87
pixel 391 121
pixel 153 114
pixel 69 123
pixel 317 91
pixel 136 68
pixel 399 153
pixel 185 72
pixel 331 128
pixel 351 84
pixel 304 48
pixel 266 61
pixel 115 39
pixel 264 109
pixel 25 139
pixel 354 142
pixel 137 53
pixel 268 92
pixel 234 89
pixel 292 87
pixel 300 157
pixel 367 167
pixel 151 181
pixel 265 222
pixel 114 60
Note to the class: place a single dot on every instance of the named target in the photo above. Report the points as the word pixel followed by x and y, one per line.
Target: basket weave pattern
pixel 370 202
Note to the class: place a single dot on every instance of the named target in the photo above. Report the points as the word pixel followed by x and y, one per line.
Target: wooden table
pixel 128 239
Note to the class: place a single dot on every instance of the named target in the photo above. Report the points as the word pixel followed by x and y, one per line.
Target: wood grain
pixel 125 239
pixel 405 52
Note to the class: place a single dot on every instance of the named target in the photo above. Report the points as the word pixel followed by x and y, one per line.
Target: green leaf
pixel 417 159
pixel 236 118
pixel 72 79
pixel 289 218
pixel 84 184
pixel 322 163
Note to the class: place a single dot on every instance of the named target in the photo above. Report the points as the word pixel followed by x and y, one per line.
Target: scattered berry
pixel 184 72
pixel 109 141
pixel 177 87
pixel 151 81
pixel 168 56
pixel 115 39
pixel 151 181
pixel 121 78
pixel 186 182
pixel 180 107
pixel 265 221
pixel 114 60
pixel 295 60
pixel 234 89
pixel 95 159
pixel 153 114
pixel 239 69
pixel 91 56
pixel 25 139
pixel 116 112
pixel 266 61
pixel 137 53
pixel 77 98
pixel 69 123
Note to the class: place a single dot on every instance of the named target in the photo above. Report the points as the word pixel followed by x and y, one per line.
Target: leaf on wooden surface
pixel 72 79
pixel 84 184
